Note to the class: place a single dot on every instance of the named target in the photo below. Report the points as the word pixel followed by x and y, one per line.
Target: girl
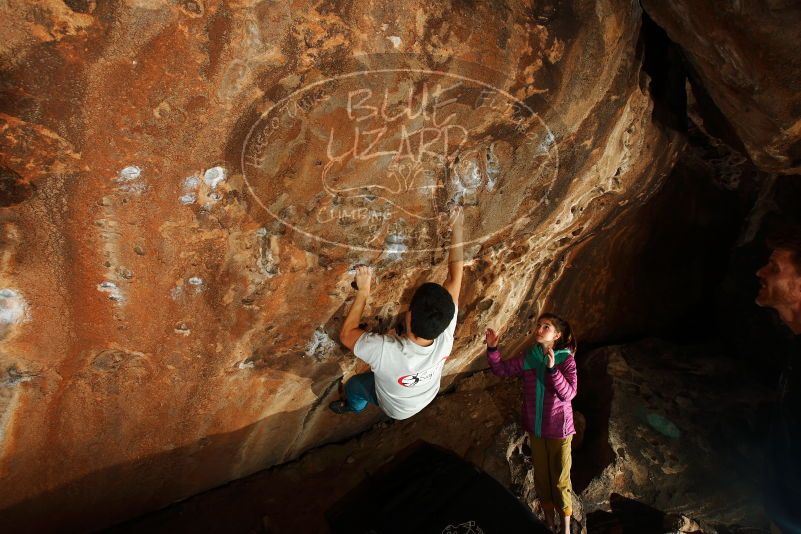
pixel 549 384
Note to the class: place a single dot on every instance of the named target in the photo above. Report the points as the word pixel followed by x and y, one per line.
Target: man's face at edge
pixel 780 281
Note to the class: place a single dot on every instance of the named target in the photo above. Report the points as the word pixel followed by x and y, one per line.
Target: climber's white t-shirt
pixel 407 375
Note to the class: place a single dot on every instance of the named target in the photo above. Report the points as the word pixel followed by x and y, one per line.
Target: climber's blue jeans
pixel 360 391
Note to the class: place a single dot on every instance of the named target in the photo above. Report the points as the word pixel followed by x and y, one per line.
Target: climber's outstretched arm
pixel 453 283
pixel 350 332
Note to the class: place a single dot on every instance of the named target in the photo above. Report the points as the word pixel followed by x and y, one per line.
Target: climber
pixel 405 369
pixel 780 289
pixel 549 385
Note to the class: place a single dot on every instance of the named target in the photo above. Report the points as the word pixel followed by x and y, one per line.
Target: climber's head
pixel 430 311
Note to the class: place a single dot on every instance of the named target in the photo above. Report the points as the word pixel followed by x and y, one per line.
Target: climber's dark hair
pixel 432 309
pixel 566 340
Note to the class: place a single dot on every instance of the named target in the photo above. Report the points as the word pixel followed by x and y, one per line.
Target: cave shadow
pixel 126 490
pixel 594 402
pixel 627 516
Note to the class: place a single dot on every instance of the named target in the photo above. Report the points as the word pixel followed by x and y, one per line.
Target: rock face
pixel 672 434
pixel 744 56
pixel 185 186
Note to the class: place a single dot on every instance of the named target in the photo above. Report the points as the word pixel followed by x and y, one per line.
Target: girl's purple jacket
pixel 560 388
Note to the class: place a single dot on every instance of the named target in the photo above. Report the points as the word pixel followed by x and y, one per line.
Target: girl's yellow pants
pixel 552 461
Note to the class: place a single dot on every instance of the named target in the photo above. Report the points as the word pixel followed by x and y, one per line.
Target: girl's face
pixel 546 332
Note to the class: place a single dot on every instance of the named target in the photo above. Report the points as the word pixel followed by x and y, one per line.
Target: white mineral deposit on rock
pixel 214 176
pixel 394 247
pixel 130 180
pixel 114 292
pixel 131 172
pixel 12 306
pixel 320 345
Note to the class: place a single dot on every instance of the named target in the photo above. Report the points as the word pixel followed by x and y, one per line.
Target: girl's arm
pixel 564 380
pixel 511 367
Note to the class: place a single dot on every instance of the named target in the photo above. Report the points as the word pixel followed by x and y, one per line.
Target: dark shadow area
pixel 744 328
pixel 126 490
pixel 664 63
pixel 594 401
pixel 714 121
pixel 135 488
pixel 429 489
pixel 627 517
pixel 657 270
pixel 13 189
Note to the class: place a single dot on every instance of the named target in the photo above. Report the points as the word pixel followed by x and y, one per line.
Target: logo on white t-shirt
pixel 409 381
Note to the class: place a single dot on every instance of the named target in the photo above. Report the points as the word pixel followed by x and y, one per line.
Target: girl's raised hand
pixel 551 359
pixel 492 338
